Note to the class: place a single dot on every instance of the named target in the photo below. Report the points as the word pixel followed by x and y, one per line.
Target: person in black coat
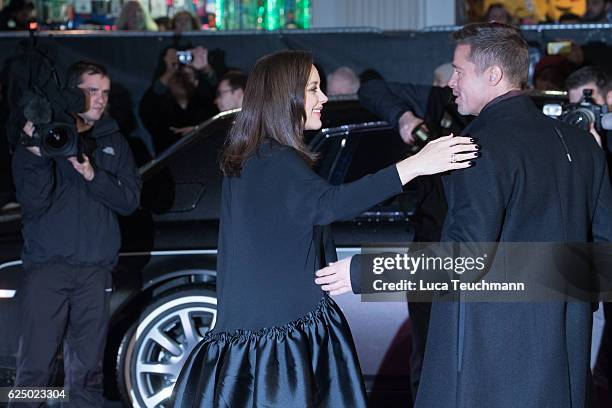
pixel 279 341
pixel 71 240
pixel 180 98
pixel 539 180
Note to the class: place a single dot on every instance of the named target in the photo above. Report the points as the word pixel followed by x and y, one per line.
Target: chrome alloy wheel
pixel 160 344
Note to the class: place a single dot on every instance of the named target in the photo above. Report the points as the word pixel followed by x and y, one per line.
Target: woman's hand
pixel 440 155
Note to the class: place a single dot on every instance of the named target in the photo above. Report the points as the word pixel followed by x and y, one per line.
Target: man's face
pixel 500 15
pixel 469 87
pixel 596 7
pixel 97 89
pixel 575 94
pixel 227 98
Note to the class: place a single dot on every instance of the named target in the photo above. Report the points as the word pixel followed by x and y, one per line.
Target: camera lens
pixel 57 137
pixel 581 118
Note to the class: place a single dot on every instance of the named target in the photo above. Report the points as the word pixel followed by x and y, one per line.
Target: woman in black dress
pixel 279 341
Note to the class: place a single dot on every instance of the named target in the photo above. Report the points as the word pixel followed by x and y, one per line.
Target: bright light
pixel 7 293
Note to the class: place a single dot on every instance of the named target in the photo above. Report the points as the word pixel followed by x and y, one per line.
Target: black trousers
pixel 64 304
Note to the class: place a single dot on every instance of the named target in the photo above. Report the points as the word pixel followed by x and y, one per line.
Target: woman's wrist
pixel 407 169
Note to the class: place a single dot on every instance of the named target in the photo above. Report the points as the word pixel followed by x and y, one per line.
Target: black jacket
pixel 532 184
pixel 159 111
pixel 66 217
pixel 270 236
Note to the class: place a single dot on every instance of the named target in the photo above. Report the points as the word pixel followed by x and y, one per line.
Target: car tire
pixel 155 348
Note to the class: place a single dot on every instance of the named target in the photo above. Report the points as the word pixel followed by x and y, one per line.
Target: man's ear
pixel 495 75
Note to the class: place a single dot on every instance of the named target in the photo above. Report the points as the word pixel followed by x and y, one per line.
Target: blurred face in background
pixel 499 14
pixel 96 88
pixel 183 83
pixel 575 94
pixel 596 8
pixel 134 16
pixel 228 98
pixel 183 21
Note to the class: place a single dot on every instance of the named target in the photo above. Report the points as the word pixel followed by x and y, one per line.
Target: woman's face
pixel 313 101
pixel 183 22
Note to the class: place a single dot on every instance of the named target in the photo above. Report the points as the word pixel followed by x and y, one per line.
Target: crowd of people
pixel 473 192
pixel 133 16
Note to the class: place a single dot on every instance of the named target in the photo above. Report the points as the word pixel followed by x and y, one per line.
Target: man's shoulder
pixel 108 128
pixel 511 120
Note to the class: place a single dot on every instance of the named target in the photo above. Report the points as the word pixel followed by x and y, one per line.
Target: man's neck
pixel 501 95
pixel 503 91
pixel 82 124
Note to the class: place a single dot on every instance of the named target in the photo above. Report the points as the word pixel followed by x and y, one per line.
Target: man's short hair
pixel 235 79
pixel 344 80
pixel 588 74
pixel 496 44
pixel 79 68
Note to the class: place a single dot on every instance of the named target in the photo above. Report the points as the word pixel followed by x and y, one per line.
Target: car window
pixel 189 186
pixel 349 156
pixel 371 151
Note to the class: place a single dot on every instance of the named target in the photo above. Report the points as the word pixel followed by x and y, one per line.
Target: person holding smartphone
pixel 181 96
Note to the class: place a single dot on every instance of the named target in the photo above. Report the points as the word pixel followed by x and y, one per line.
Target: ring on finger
pixel 453 158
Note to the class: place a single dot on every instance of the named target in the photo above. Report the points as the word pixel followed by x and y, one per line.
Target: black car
pixel 164 285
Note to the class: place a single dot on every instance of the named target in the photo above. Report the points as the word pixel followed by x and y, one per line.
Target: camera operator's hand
pixel 85 168
pixel 172 64
pixel 595 135
pixel 407 123
pixel 200 59
pixel 29 129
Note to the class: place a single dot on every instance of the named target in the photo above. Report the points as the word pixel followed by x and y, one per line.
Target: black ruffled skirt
pixel 310 362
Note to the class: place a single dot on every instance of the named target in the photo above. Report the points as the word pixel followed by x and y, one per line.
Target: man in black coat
pixel 538 180
pixel 71 241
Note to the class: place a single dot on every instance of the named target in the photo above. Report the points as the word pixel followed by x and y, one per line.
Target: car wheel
pixel 155 348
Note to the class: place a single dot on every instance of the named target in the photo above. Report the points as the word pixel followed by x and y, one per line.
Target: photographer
pixel 597 81
pixel 71 241
pixel 180 98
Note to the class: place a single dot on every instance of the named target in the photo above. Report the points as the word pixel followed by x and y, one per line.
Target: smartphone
pixel 559 47
pixel 184 57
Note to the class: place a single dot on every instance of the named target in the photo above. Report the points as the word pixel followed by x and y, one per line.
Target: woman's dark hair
pixel 272 108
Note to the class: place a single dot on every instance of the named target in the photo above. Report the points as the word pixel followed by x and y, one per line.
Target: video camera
pixel 583 113
pixel 36 89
